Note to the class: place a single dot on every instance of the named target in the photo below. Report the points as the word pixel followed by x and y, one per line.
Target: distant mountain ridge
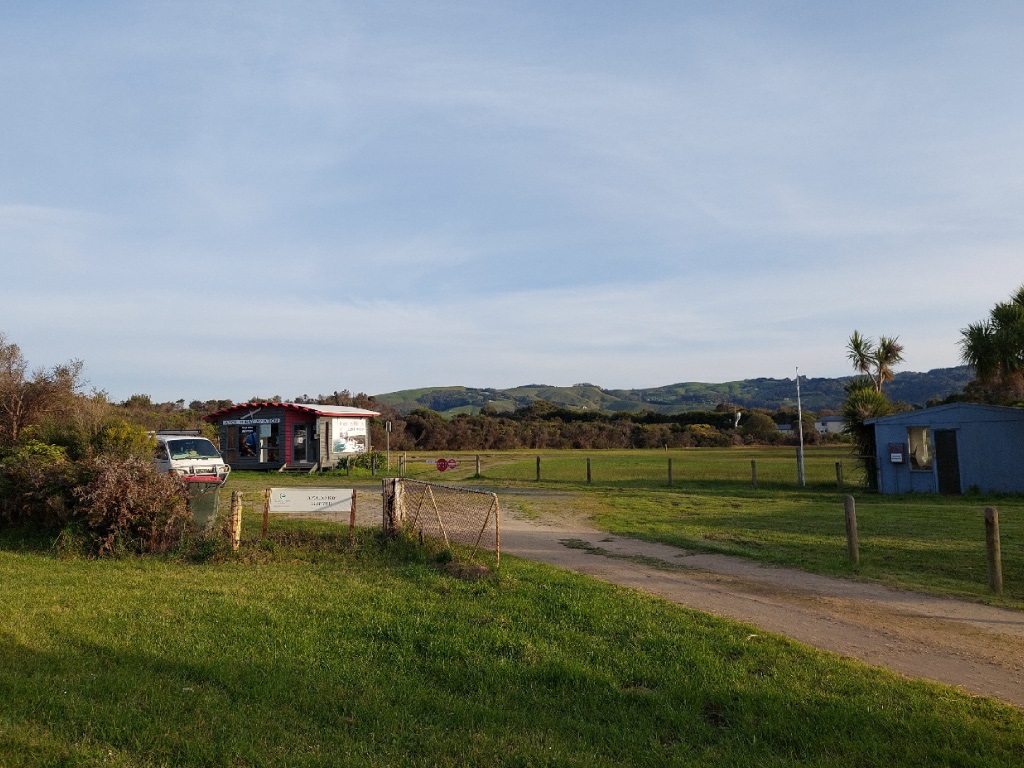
pixel 816 394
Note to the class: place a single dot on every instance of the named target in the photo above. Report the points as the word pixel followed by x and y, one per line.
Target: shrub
pixel 130 507
pixel 37 483
pixel 758 427
pixel 365 460
pixel 124 440
pixel 704 436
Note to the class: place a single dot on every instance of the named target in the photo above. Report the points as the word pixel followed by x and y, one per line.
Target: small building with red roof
pixel 273 436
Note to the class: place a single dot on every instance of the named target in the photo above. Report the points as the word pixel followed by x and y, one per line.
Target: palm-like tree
pixel 864 397
pixel 994 348
pixel 875 361
pixel 860 350
pixel 864 402
pixel 888 354
pixel 978 349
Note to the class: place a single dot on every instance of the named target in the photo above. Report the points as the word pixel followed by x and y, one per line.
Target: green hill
pixel 817 394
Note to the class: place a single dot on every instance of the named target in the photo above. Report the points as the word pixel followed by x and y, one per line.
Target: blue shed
pixel 950 449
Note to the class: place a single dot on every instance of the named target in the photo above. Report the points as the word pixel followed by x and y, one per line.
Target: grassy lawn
pixel 320 655
pixel 695 467
pixel 923 542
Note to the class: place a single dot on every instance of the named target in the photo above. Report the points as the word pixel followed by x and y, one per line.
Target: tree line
pixel 49 405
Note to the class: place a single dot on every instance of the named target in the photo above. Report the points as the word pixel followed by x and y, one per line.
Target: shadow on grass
pixel 264 703
pixel 27 538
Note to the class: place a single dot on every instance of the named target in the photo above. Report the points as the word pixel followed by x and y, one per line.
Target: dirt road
pixel 977 648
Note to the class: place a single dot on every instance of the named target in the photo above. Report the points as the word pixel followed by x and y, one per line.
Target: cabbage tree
pixel 994 348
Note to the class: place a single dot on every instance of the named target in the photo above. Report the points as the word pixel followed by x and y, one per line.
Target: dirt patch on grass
pixel 468 572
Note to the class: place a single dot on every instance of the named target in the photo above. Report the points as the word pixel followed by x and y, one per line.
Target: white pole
pixel 800 431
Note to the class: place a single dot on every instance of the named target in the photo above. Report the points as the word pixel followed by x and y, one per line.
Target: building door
pixel 300 433
pixel 947 461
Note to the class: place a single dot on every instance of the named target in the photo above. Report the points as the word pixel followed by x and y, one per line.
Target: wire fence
pixel 758 468
pixel 466 521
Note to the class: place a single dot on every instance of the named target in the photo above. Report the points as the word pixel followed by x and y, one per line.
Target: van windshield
pixel 192 448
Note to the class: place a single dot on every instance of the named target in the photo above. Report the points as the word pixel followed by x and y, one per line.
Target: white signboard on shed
pixel 307 500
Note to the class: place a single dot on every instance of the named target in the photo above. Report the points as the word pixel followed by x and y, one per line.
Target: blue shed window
pixel 922 454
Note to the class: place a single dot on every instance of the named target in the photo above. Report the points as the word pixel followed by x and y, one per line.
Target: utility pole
pixel 800 431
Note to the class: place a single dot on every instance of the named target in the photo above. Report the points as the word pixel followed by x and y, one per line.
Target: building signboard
pixel 349 435
pixel 309 500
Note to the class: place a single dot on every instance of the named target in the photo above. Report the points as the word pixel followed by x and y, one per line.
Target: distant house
pixel 951 449
pixel 830 425
pixel 270 436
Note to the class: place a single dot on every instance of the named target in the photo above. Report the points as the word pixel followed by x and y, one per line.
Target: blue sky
pixel 226 199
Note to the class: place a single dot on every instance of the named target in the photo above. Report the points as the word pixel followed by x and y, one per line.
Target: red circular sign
pixel 442 465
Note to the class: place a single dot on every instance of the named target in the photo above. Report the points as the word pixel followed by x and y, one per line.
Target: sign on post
pixel 306 501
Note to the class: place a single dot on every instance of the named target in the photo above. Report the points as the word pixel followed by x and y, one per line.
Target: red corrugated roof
pixel 338 411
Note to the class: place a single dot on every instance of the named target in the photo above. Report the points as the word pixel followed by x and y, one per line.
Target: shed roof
pixel 335 411
pixel 973 412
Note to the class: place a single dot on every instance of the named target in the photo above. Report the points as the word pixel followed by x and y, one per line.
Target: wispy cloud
pixel 491 195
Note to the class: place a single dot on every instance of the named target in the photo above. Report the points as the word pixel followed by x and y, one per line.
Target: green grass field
pixel 319 656
pixel 691 468
pixel 303 651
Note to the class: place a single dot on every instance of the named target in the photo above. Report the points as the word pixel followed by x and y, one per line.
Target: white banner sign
pixel 305 500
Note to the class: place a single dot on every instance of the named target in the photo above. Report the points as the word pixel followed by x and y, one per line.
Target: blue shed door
pixel 947 461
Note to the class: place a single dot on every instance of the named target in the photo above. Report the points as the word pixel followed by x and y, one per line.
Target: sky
pixel 224 199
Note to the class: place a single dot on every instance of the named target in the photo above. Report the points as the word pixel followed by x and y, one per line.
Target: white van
pixel 190 457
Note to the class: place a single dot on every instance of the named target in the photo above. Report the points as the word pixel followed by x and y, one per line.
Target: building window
pixel 269 450
pixel 256 441
pixel 922 454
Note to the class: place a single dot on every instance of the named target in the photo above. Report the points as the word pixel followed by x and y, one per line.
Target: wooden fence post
pixel 391 493
pixel 588 470
pixel 538 469
pixel 234 528
pixel 753 474
pixel 266 511
pixel 670 471
pixel 839 475
pixel 995 561
pixel 352 521
pixel 477 466
pixel 852 543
